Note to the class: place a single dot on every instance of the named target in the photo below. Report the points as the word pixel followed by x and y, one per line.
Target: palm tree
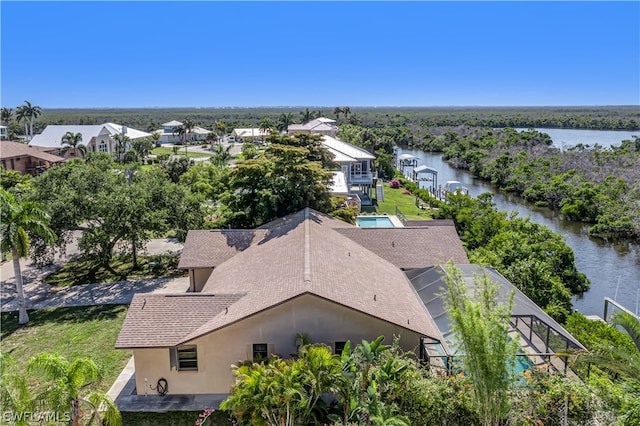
pixel 32 111
pixel 67 380
pixel 74 141
pixel 122 141
pixel 221 155
pixel 155 138
pixel 265 126
pixel 6 115
pixel 284 121
pixel 307 115
pixel 337 111
pixel 21 116
pixel 346 111
pixel 17 219
pixel 188 126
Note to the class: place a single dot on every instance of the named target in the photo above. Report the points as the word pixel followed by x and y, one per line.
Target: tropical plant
pixel 22 116
pixel 155 138
pixel 346 111
pixel 481 325
pixel 337 111
pixel 32 112
pixel 65 392
pixel 7 114
pixel 122 144
pixel 221 128
pixel 18 219
pixel 221 155
pixel 308 115
pixel 74 140
pixel 15 395
pixel 180 132
pixel 266 126
pixel 284 121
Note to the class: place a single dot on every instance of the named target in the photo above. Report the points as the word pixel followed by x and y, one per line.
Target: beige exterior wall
pixel 323 321
pixel 198 278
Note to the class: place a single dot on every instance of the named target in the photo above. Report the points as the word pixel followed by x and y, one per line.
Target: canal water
pixel 612 267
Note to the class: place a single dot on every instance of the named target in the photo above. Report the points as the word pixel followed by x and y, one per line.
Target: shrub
pixel 395 183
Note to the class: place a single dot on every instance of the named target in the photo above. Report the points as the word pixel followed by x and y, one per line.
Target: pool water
pixel 374 222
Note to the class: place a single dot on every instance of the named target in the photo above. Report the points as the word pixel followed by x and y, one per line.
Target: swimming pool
pixel 374 222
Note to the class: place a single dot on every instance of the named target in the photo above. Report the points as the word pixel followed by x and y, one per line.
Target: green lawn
pixel 190 154
pixel 87 331
pixel 77 271
pixel 405 202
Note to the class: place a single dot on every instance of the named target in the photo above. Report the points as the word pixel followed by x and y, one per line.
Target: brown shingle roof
pixel 210 248
pixel 304 256
pixel 16 149
pixel 411 247
pixel 162 320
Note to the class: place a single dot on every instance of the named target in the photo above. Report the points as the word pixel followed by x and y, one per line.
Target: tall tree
pixel 337 111
pixel 18 219
pixel 481 325
pixel 307 115
pixel 188 126
pixel 221 155
pixel 74 140
pixel 7 114
pixel 221 128
pixel 32 111
pixel 155 138
pixel 266 126
pixel 284 121
pixel 346 111
pixel 64 393
pixel 122 144
pixel 22 116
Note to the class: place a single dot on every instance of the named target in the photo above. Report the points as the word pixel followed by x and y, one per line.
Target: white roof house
pixel 322 126
pixel 255 132
pixel 94 137
pixel 346 150
pixel 168 135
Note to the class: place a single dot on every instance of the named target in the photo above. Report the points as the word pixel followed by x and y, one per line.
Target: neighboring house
pixel 254 290
pixel 356 164
pixel 26 159
pixel 319 126
pixel 3 133
pixel 168 133
pixel 97 138
pixel 250 135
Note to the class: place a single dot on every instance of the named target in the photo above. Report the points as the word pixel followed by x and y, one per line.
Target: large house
pixel 355 164
pixel 253 291
pixel 318 126
pixel 97 138
pixel 169 133
pixel 249 134
pixel 26 159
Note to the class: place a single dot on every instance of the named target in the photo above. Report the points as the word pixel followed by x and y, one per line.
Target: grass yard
pixel 405 202
pixel 190 154
pixel 77 271
pixel 87 331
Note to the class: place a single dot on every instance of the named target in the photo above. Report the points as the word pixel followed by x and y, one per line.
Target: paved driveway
pixel 39 295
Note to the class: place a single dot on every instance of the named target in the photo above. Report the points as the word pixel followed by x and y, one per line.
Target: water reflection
pixel 612 267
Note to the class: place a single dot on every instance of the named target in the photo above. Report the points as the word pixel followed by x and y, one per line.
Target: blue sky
pixel 207 54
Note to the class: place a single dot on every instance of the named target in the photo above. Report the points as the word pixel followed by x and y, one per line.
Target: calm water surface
pixel 564 138
pixel 612 268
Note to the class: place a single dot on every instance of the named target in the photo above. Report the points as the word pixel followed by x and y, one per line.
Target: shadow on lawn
pixel 74 314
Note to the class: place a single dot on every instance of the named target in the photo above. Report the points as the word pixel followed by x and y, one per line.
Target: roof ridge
pixel 307 247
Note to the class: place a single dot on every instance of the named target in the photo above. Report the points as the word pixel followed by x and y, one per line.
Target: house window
pixel 339 347
pixel 260 351
pixel 184 358
pixel 103 147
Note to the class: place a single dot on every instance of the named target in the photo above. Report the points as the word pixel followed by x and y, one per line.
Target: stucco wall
pixel 323 321
pixel 199 277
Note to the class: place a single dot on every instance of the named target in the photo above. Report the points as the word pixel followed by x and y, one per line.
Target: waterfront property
pixel 253 291
pixel 26 159
pixel 356 165
pixel 319 126
pixel 97 138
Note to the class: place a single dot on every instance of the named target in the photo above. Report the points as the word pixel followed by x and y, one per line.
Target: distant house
pixel 250 134
pixel 97 138
pixel 3 133
pixel 168 133
pixel 26 159
pixel 318 126
pixel 355 164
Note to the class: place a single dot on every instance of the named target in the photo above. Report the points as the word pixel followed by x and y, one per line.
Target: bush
pixel 395 183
